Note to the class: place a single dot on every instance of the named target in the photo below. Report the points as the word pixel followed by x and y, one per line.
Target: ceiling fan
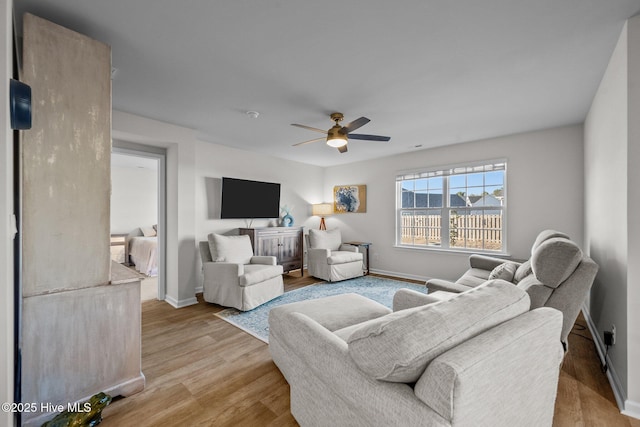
pixel 338 136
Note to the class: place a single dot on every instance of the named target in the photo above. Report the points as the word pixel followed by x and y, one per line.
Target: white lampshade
pixel 322 209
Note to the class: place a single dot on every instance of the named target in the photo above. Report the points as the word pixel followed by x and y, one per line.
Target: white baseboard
pixel 181 303
pixel 627 407
pixel 199 290
pixel 631 409
pixel 400 275
pixel 390 273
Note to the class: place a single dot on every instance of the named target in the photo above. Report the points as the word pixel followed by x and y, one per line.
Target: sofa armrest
pixel 265 260
pixel 318 254
pixel 485 262
pixel 445 285
pixel 518 360
pixel 221 272
pixel 205 252
pixel 349 248
pixel 408 298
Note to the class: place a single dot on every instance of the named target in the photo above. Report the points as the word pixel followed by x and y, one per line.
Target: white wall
pixel 301 185
pixel 544 190
pixel 606 204
pixel 632 405
pixel 134 198
pixel 612 232
pixel 6 209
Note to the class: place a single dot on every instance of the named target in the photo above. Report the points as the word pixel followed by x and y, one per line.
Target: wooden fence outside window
pixel 476 231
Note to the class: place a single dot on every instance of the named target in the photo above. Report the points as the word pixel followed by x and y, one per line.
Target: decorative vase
pixel 287 220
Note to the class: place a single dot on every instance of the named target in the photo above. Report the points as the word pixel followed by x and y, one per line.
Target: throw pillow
pixel 235 249
pixel 523 271
pixel 399 346
pixel 504 271
pixel 329 239
pixel 148 232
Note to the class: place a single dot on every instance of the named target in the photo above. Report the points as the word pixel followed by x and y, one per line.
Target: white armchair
pixel 329 259
pixel 234 277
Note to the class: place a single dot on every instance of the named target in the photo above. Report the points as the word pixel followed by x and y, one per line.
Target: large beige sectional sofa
pixel 481 358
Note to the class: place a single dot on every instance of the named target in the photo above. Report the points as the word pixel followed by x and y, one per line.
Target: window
pixel 461 208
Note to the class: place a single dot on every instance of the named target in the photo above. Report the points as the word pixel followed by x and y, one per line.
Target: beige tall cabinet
pixel 80 328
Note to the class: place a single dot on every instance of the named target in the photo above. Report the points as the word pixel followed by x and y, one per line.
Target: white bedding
pixel 143 252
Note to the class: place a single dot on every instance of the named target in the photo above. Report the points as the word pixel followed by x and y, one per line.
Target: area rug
pixel 255 322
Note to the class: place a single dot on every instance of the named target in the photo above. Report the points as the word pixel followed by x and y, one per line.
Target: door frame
pixel 160 154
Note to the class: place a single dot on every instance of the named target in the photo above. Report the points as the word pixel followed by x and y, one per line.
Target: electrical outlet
pixel 613 334
pixel 608 338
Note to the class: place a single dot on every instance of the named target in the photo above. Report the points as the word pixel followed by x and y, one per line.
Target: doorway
pixel 138 212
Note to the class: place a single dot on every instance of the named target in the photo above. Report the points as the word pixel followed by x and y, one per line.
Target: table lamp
pixel 321 210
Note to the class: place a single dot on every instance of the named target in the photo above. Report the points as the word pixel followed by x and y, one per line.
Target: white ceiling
pixel 427 73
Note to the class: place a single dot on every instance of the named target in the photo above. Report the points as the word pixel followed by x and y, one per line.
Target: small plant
pixel 453 229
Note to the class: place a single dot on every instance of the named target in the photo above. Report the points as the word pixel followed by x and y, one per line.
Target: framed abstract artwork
pixel 349 199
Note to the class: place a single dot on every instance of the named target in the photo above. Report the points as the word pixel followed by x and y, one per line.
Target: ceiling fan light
pixel 337 141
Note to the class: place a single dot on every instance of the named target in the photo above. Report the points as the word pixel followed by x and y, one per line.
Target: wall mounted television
pixel 245 199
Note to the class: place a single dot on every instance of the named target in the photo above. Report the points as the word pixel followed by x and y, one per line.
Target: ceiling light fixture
pixel 335 137
pixel 253 114
pixel 336 140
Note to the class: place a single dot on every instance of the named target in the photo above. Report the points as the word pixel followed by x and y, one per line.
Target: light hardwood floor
pixel 201 371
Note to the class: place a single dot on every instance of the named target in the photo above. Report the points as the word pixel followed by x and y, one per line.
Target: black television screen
pixel 244 199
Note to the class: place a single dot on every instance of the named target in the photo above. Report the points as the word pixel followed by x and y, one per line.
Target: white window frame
pixel 446 172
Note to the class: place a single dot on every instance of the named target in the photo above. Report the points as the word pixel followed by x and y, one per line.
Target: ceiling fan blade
pixel 343 149
pixel 309 128
pixel 310 141
pixel 357 123
pixel 369 137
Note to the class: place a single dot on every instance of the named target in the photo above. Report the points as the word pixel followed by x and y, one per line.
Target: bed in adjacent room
pixel 143 250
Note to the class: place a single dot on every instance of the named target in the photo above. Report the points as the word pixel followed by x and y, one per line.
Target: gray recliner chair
pixel 557 275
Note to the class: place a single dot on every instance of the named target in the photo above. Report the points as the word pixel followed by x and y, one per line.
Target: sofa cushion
pixel 325 239
pixel 258 273
pixel 399 346
pixel 522 271
pixel 554 260
pixel 342 257
pixel 235 249
pixel 504 271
